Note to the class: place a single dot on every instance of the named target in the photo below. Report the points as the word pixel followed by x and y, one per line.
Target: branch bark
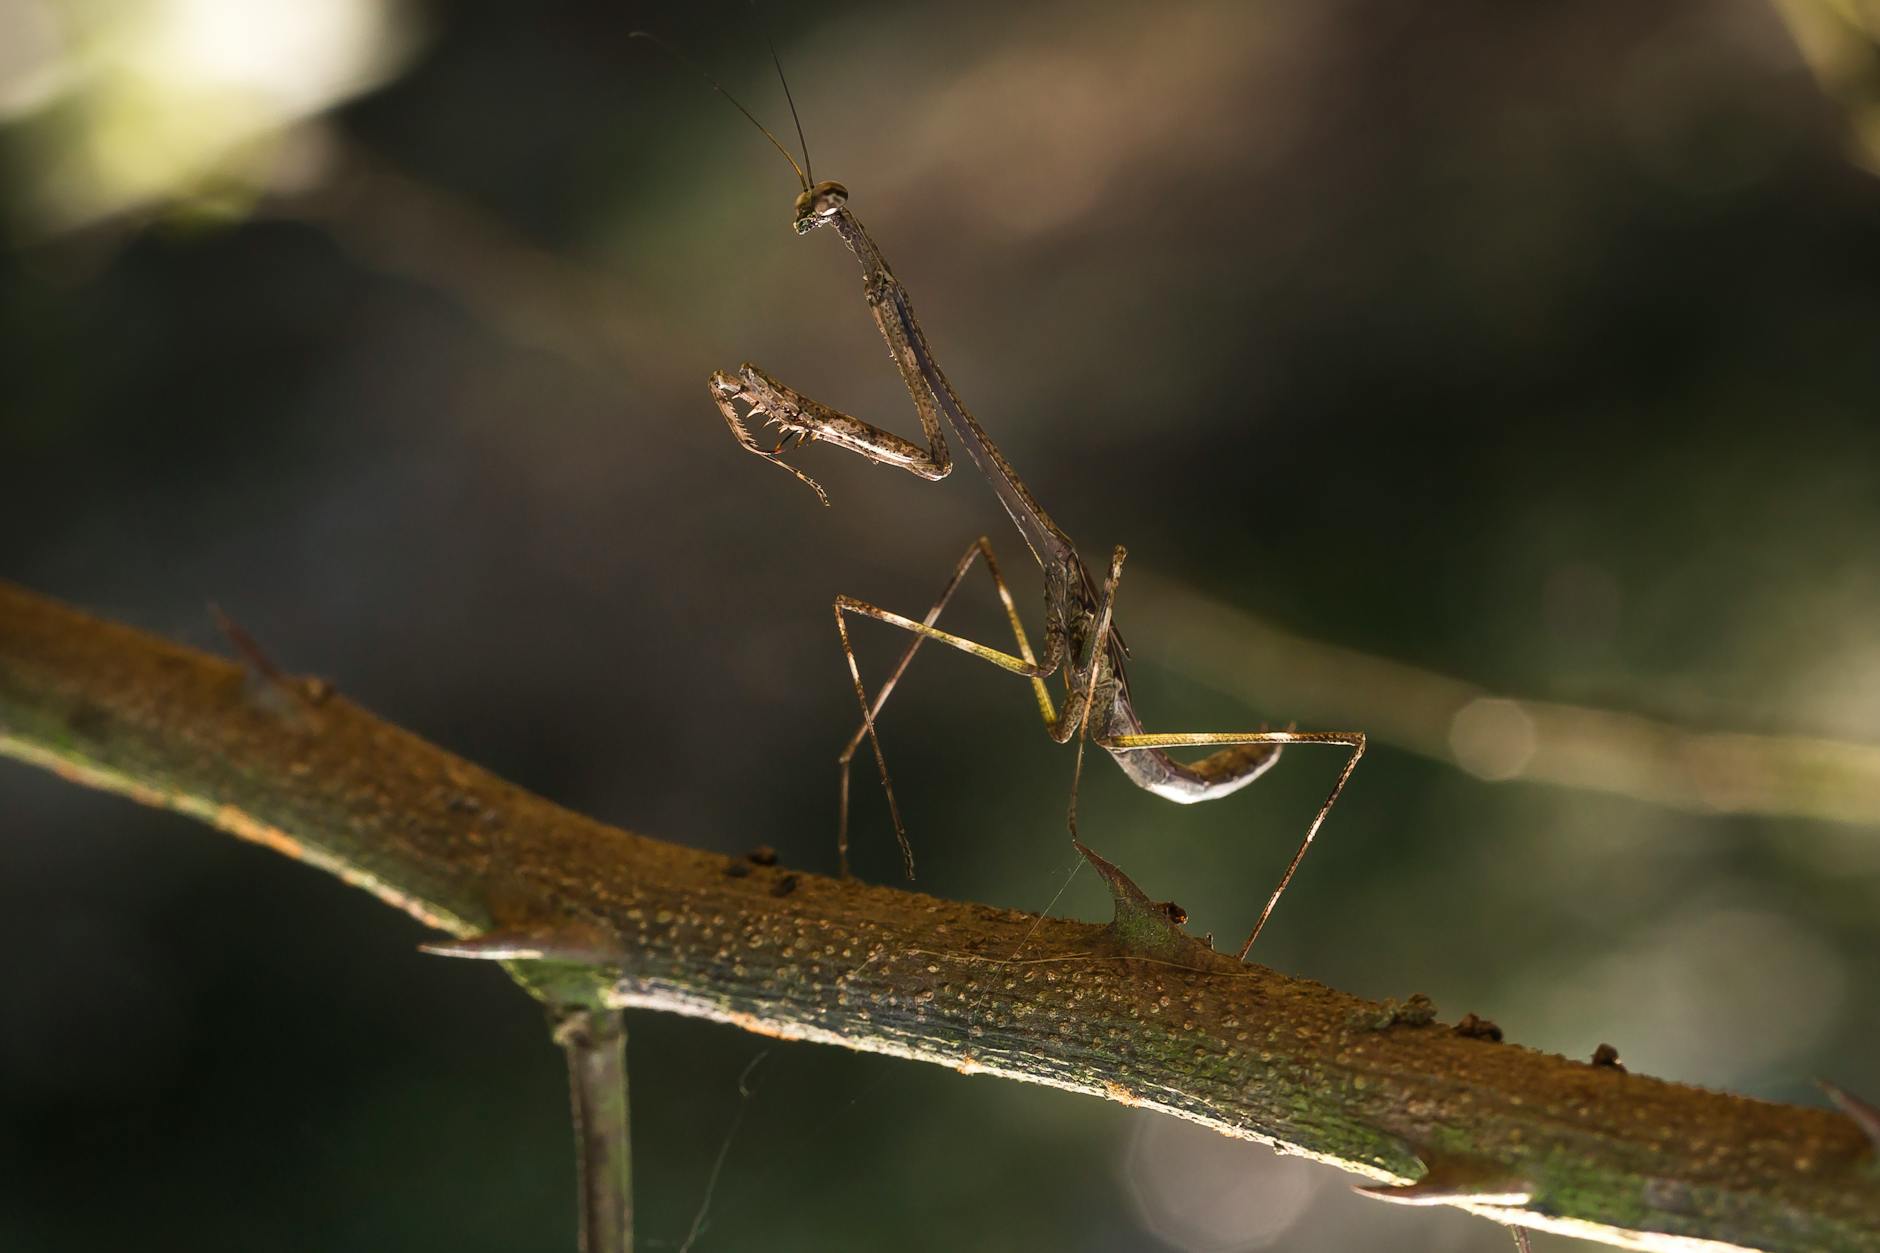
pixel 588 914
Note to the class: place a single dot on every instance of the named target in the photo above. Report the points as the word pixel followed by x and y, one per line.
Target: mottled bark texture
pixel 1136 1012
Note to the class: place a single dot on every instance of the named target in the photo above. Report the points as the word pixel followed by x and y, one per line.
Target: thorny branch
pixel 1137 1012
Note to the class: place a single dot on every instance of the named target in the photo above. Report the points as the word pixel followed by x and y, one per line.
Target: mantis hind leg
pixel 1230 769
pixel 1244 756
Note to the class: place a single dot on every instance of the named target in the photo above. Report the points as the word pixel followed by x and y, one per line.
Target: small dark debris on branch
pixel 1417 1010
pixel 1478 1028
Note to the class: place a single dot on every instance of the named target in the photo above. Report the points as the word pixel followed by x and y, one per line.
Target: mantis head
pixel 819 204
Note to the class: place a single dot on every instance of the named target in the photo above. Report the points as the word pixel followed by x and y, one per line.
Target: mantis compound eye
pixel 819 204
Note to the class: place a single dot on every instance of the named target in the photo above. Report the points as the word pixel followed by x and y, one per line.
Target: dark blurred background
pixel 1532 346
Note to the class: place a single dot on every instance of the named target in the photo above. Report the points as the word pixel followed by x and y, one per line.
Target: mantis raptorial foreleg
pixel 802 420
pixel 980 548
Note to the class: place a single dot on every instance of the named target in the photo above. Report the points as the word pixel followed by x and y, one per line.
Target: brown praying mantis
pixel 1081 641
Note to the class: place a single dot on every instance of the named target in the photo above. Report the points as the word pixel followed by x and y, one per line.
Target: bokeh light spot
pixel 1492 738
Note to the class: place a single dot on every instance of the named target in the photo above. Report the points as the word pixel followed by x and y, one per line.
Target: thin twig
pixel 596 1044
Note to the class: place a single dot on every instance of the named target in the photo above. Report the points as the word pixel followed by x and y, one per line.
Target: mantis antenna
pixel 809 171
pixel 801 176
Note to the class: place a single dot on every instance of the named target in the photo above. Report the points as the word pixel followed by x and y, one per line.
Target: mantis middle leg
pixel 980 548
pixel 1025 664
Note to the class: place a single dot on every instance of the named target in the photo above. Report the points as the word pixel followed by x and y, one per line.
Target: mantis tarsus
pixel 1081 642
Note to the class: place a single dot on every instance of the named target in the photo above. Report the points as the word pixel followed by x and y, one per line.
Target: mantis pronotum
pixel 1080 642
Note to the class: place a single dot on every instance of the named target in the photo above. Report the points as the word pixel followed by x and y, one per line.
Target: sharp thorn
pixel 584 945
pixel 1426 1192
pixel 1151 928
pixel 1449 1179
pixel 1863 1115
